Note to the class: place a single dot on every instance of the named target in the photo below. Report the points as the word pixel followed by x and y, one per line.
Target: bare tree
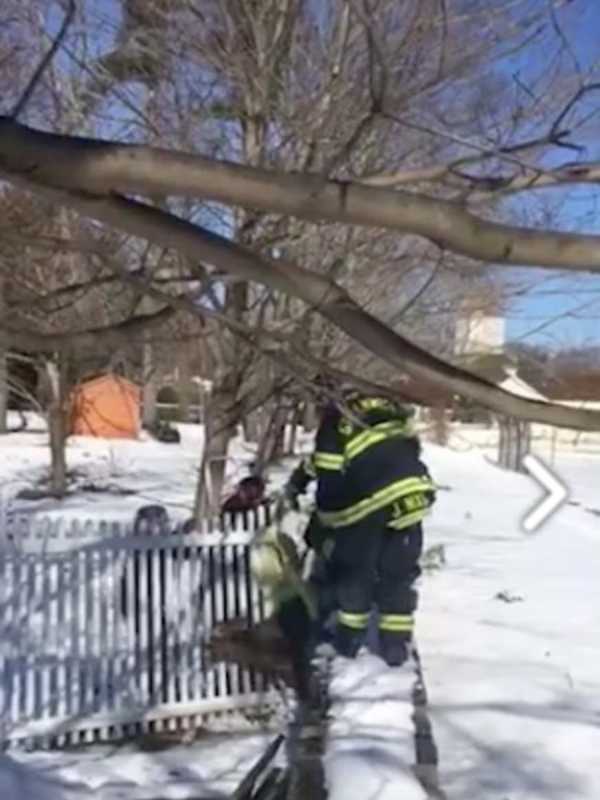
pixel 324 131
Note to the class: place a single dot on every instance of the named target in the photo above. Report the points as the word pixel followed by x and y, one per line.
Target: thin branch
pixel 262 341
pixel 557 124
pixel 397 316
pixel 562 36
pixel 485 152
pixel 45 62
pixel 437 172
pixel 444 39
pixel 375 54
pixel 572 173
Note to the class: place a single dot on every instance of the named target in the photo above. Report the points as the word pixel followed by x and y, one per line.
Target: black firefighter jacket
pixel 365 464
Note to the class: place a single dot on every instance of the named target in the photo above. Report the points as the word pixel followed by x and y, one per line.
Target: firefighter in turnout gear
pixel 373 492
pixel 276 565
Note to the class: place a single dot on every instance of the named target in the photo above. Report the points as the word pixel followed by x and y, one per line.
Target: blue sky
pixel 559 310
pixel 556 310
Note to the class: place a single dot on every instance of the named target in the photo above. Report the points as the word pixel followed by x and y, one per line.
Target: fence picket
pixel 141 589
pixel 79 632
pixel 103 640
pixel 172 583
pixel 53 634
pixel 129 595
pixel 91 631
pixel 242 609
pixel 4 645
pixel 62 642
pixel 9 645
pixel 13 610
pixel 30 689
pixel 72 688
pixel 103 632
pixel 228 571
pixel 194 679
pixel 156 632
pixel 117 566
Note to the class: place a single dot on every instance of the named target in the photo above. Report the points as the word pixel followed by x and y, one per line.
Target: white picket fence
pixel 103 633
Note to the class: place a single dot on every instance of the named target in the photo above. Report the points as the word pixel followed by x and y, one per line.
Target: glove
pixel 318 538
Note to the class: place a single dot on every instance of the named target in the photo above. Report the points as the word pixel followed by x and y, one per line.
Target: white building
pixel 478 333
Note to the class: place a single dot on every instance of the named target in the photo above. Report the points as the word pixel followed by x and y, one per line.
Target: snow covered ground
pixel 514 683
pixel 203 770
pixel 370 739
pixel 508 629
pixel 120 475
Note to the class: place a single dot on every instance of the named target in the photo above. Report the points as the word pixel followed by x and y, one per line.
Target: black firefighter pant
pixel 373 565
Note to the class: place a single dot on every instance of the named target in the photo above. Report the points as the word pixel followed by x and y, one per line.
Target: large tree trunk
pixel 58 426
pixel 203 496
pixel 266 437
pixel 149 388
pixel 277 443
pixel 184 384
pixel 251 424
pixel 309 415
pixel 295 422
pixel 271 446
pixel 220 423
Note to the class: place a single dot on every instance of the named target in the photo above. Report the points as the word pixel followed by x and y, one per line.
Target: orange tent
pixel 107 407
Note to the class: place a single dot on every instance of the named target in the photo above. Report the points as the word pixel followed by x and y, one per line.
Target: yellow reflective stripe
pixel 356 621
pixel 377 501
pixel 408 519
pixel 374 435
pixel 331 461
pixel 372 403
pixel 398 623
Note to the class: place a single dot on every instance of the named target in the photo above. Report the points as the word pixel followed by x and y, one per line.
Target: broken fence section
pixel 103 631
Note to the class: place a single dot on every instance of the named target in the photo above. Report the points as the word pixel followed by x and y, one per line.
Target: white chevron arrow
pixel 556 495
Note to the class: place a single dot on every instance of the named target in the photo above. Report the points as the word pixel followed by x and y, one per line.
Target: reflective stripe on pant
pixel 357 622
pixel 399 568
pixel 354 565
pixel 374 565
pixel 396 623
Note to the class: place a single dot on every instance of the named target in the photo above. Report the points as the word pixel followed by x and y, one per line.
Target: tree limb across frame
pixel 325 296
pixel 99 167
pixel 86 187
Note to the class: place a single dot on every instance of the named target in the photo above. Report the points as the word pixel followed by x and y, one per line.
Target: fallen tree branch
pixel 102 168
pixel 324 296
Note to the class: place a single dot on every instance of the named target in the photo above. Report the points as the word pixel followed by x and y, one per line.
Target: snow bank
pixel 509 633
pixel 209 768
pixel 370 742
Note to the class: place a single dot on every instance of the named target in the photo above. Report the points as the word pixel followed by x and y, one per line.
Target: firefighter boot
pixel 394 649
pixel 348 640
